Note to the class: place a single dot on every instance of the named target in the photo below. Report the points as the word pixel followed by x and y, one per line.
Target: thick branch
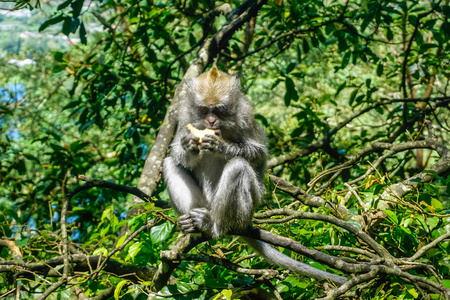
pixel 90 183
pixel 173 256
pixel 82 263
pixel 165 269
pixel 380 250
pixel 333 294
pixel 427 247
pixel 17 254
pixel 399 190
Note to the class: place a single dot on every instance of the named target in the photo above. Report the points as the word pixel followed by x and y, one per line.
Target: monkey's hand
pixel 190 143
pixel 212 142
pixel 197 220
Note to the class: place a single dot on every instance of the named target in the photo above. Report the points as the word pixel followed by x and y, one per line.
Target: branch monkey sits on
pixel 215 181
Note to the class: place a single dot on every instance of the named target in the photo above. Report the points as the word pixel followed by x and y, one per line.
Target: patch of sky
pixel 12 92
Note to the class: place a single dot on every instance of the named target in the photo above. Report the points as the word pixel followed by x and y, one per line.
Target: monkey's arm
pixel 185 149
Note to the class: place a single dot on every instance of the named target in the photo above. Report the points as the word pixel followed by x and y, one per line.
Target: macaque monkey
pixel 217 163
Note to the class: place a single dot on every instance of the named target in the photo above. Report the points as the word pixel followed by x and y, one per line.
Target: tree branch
pixel 380 250
pixel 174 256
pixel 82 263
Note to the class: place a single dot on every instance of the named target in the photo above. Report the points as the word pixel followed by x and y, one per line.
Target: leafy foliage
pixel 329 81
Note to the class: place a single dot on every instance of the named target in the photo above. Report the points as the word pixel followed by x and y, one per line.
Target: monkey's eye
pixel 203 110
pixel 220 111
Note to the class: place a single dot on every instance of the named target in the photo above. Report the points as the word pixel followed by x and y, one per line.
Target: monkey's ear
pixel 237 79
pixel 213 73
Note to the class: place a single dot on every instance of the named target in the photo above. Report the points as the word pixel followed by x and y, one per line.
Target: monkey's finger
pixel 210 137
pixel 208 146
pixel 193 146
pixel 200 210
pixel 185 222
pixel 191 230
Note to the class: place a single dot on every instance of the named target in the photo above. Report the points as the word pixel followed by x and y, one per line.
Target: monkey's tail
pixel 277 258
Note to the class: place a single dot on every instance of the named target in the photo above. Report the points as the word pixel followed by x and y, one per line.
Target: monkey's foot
pixel 197 220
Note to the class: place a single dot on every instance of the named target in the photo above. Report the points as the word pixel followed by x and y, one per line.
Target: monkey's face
pixel 213 117
pixel 213 99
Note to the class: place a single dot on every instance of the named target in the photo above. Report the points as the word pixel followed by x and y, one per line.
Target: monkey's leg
pixel 232 206
pixel 184 192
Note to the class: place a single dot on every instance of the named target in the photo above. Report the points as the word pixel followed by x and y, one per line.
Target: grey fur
pixel 216 185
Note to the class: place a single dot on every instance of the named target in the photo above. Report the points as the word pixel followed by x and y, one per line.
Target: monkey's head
pixel 213 100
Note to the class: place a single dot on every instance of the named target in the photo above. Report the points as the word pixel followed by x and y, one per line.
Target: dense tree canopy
pixel 352 95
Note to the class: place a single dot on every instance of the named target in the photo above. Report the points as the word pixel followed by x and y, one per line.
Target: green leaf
pixel 224 294
pixel 192 40
pixel 446 283
pixel 291 67
pixel 51 21
pixel 262 119
pixel 82 34
pixel 160 233
pixel 305 46
pixel 433 222
pixel 392 216
pixel 299 53
pixel 406 230
pixel 352 97
pixel 414 293
pixel 342 43
pixel 367 19
pixel 74 25
pixel 130 132
pixel 412 19
pixel 340 88
pixel 64 4
pixel 22 242
pixel 380 69
pixel 100 251
pixel 359 99
pixel 314 41
pixel 121 240
pixel 378 188
pixel 389 34
pixel 59 68
pixel 77 5
pixel 78 145
pixel 107 212
pixel 320 36
pixel 58 56
pixel 87 124
pixel 67 25
pixel 31 157
pixel 329 28
pixel 379 110
pixel 436 204
pixel 183 287
pixel 119 287
pixel 291 92
pixel 346 59
pixel 419 38
pixel 72 104
pixel 277 81
pixel 134 249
